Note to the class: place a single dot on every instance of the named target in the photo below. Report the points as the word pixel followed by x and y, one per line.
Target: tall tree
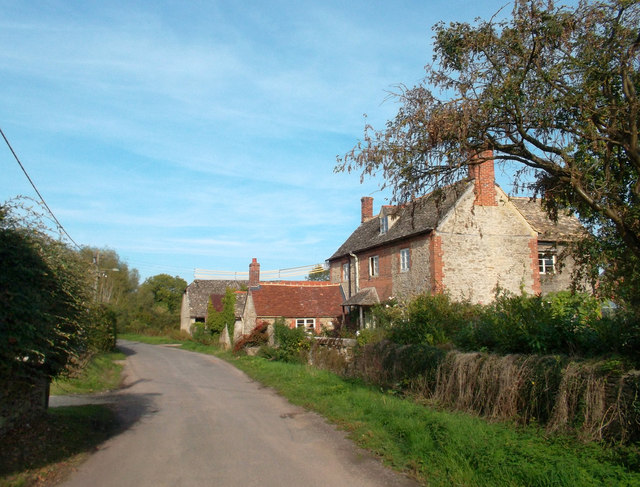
pixel 553 90
pixel 166 291
pixel 318 273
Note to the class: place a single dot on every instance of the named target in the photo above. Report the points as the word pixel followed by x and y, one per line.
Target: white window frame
pixel 374 266
pixel 346 270
pixel 309 324
pixel 384 224
pixel 405 260
pixel 547 263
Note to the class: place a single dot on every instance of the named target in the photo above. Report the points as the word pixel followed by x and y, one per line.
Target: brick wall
pixel 484 175
pixel 535 271
pixel 383 281
pixel 437 264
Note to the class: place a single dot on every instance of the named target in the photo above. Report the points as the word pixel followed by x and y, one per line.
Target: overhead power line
pixel 277 274
pixel 44 203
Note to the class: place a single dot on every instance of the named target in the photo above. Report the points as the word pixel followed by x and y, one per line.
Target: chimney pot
pixel 254 273
pixel 484 175
pixel 366 208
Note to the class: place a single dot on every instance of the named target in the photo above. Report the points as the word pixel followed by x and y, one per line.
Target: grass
pixel 444 448
pixel 102 373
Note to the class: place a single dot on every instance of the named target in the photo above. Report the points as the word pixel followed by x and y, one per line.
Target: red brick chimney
pixel 485 183
pixel 254 273
pixel 366 208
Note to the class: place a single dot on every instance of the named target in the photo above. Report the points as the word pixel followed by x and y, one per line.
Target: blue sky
pixel 202 134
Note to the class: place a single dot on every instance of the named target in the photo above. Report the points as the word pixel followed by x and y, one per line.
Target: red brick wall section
pixel 437 271
pixel 366 208
pixel 484 176
pixel 383 282
pixel 535 269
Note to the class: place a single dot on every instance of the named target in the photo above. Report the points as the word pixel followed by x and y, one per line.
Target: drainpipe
pixel 357 286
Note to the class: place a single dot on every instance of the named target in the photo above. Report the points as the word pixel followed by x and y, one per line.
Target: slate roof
pixel 424 214
pixel 365 297
pixel 417 217
pixel 200 291
pixel 566 228
pixel 298 299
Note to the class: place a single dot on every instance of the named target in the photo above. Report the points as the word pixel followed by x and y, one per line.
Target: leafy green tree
pixel 318 273
pixel 554 92
pixel 165 291
pixel 44 289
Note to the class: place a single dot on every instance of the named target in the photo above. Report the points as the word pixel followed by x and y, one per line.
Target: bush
pixel 430 319
pixel 292 343
pixel 101 330
pixel 200 334
pixel 258 337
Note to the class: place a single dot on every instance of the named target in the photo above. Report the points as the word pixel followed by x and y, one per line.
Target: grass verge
pixel 44 451
pixel 102 373
pixel 444 448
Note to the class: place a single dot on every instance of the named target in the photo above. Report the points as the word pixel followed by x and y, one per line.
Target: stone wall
pixel 485 247
pixel 21 400
pixel 418 278
pixel 561 280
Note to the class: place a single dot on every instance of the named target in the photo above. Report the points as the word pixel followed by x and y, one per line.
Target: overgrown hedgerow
pixel 559 323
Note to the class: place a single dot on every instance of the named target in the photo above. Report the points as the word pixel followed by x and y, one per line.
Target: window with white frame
pixel 373 266
pixel 405 260
pixel 384 224
pixel 345 271
pixel 546 263
pixel 309 324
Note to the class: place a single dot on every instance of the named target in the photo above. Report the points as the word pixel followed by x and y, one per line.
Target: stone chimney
pixel 366 208
pixel 483 173
pixel 254 273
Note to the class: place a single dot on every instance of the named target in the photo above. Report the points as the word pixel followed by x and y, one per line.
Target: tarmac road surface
pixel 194 420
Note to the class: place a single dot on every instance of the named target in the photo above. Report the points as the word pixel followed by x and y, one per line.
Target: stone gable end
pixel 484 247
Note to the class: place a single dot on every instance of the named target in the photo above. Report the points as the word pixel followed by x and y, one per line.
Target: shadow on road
pixel 122 347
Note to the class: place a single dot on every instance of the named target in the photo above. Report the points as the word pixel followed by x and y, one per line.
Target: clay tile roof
pixel 419 216
pixel 200 291
pixel 300 300
pixel 566 228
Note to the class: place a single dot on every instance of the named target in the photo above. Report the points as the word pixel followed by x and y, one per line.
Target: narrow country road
pixel 195 420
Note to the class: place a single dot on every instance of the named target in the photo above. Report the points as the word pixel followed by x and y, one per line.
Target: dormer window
pixel 384 224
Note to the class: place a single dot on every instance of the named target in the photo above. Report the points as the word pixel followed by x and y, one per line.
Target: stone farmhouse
pixel 314 306
pixel 467 239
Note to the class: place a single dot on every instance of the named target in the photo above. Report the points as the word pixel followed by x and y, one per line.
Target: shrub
pixel 430 319
pixel 258 337
pixel 292 343
pixel 200 334
pixel 101 330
